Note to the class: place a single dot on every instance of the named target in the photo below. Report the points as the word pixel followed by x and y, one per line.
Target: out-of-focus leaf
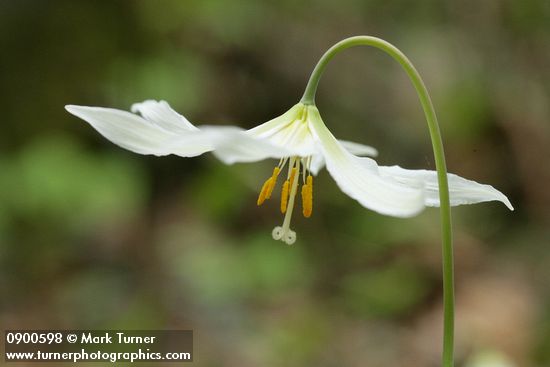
pixel 385 292
pixel 54 178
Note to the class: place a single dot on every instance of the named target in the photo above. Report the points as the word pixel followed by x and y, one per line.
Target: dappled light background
pixel 93 236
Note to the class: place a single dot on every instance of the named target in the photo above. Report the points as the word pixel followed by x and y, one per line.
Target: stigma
pixel 298 170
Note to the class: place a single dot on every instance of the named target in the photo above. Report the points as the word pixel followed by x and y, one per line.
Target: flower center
pixel 288 194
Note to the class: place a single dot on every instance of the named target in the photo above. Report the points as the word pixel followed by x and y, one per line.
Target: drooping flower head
pixel 302 144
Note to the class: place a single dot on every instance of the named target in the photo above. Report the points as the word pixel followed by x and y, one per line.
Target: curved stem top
pixel 439 155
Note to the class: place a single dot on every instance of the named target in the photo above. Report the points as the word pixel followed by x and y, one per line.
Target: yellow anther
pixel 307 197
pixel 268 186
pixel 272 182
pixel 263 192
pixel 284 196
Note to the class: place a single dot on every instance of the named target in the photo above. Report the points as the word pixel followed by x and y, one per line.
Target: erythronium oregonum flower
pixel 303 145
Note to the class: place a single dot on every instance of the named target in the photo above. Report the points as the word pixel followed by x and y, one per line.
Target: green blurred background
pixel 93 236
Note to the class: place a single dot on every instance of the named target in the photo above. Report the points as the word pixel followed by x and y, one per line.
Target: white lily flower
pixel 299 139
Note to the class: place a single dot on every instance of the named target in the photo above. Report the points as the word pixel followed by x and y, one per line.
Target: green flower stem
pixel 437 145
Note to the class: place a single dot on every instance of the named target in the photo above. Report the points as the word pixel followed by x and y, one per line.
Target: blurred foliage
pixel 92 236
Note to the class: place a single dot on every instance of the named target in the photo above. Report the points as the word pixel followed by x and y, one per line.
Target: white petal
pixel 358 149
pixel 123 128
pixel 359 178
pixel 317 163
pixel 190 144
pixel 461 190
pixel 138 135
pixel 163 115
pixel 230 144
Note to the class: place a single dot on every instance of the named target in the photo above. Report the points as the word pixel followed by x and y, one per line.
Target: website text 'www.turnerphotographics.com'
pixel 98 346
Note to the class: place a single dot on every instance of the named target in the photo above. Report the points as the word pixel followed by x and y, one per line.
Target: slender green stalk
pixel 437 145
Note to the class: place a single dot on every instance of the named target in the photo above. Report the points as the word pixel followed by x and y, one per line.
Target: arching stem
pixel 437 145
